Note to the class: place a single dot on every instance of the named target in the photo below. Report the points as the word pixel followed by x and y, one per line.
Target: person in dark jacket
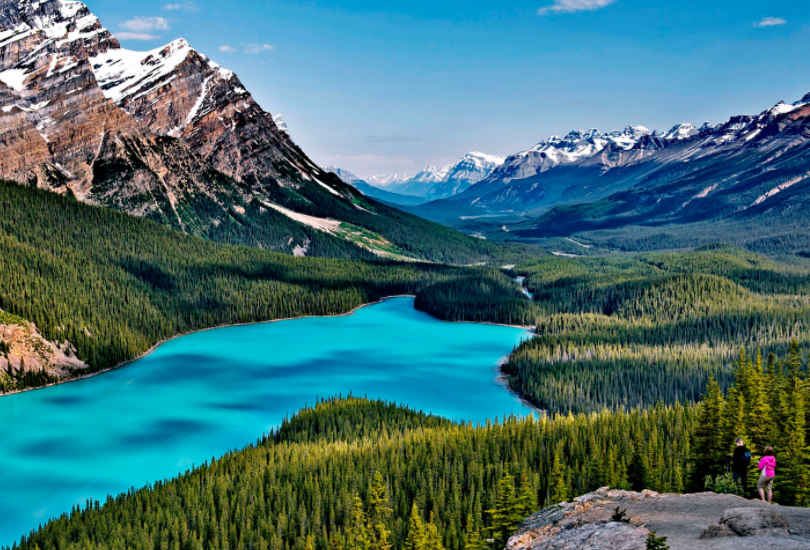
pixel 740 461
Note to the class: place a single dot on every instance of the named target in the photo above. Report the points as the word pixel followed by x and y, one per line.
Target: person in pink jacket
pixel 767 467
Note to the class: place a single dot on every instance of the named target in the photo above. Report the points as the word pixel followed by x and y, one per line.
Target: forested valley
pixel 631 331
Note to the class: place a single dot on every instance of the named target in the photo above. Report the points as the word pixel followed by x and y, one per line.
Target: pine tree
pixel 416 531
pixel 433 540
pixel 758 419
pixel 734 417
pixel 527 501
pixel 357 532
pixel 472 537
pixel 379 512
pixel 656 543
pixel 559 484
pixel 506 514
pixel 637 469
pixel 709 444
pixel 796 453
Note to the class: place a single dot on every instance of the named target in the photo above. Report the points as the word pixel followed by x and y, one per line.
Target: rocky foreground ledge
pixel 690 522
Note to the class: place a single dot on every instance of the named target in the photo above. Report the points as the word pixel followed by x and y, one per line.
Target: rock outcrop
pixel 689 522
pixel 748 522
pixel 23 349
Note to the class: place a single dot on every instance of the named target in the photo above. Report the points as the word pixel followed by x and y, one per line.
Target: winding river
pixel 201 395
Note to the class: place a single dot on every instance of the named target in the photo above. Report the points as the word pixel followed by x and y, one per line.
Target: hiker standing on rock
pixel 739 464
pixel 767 467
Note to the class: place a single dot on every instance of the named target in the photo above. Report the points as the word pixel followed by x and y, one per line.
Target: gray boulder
pixel 748 522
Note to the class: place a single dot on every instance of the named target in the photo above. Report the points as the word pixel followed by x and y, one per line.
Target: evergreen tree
pixel 795 481
pixel 433 540
pixel 527 501
pixel 505 516
pixel 559 484
pixel 472 536
pixel 637 469
pixel 709 446
pixel 416 531
pixel 379 512
pixel 357 533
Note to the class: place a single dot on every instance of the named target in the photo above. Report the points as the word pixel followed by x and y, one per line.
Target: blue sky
pixel 380 86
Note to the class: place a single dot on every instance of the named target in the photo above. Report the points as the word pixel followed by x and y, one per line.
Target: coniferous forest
pixel 633 331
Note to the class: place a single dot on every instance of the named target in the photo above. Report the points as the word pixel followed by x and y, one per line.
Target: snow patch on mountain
pixel 322 224
pixel 14 78
pixel 281 124
pixel 680 132
pixel 123 73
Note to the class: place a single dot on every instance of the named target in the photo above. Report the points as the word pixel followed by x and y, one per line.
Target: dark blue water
pixel 201 395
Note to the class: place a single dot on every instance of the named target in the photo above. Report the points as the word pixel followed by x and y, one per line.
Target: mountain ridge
pixel 169 135
pixel 744 168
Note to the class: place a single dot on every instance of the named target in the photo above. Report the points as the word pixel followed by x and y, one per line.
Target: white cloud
pixel 146 24
pixel 185 6
pixel 572 6
pixel 227 49
pixel 770 22
pixel 135 36
pixel 257 48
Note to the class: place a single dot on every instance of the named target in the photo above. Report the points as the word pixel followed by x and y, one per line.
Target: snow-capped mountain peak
pixel 385 180
pixel 483 158
pixel 431 174
pixel 679 132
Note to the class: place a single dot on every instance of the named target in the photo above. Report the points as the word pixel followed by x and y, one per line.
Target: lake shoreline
pixel 160 343
pixel 501 379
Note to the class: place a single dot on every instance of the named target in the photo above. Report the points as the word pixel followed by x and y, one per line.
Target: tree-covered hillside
pixel 630 331
pixel 349 472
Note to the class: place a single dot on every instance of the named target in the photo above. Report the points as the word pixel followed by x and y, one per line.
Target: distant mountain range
pixel 751 167
pixel 432 183
pixel 373 191
pixel 169 135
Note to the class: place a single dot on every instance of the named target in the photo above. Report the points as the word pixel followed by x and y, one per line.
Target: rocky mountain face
pixel 23 350
pixel 139 131
pixel 458 177
pixel 170 135
pixel 576 146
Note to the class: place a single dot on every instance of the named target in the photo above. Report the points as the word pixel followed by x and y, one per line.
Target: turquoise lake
pixel 198 396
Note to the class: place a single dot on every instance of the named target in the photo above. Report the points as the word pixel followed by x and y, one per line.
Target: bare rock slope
pixel 689 522
pixel 23 349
